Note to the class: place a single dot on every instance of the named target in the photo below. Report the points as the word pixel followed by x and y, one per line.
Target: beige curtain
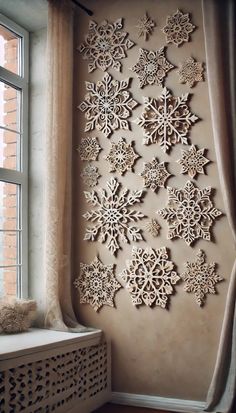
pixel 58 157
pixel 219 27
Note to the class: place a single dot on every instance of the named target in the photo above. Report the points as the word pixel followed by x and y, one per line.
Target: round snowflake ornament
pixel 190 72
pixel 89 149
pixel 121 157
pixel 193 161
pixel 154 174
pixel 177 28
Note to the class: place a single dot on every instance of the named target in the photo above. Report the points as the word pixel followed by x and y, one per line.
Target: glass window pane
pixel 9 206
pixel 10 50
pixel 8 281
pixel 10 102
pixel 9 150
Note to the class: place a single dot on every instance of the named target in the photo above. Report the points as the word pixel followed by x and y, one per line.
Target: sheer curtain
pixel 219 28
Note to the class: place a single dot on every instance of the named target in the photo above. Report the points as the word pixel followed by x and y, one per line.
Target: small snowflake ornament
pixel 90 175
pixel 105 45
pixel 107 105
pixel 166 120
pixel 97 284
pixel 145 26
pixel 152 67
pixel 153 227
pixel 190 72
pixel 200 278
pixel 89 149
pixel 193 161
pixel 121 157
pixel 154 174
pixel 149 277
pixel 177 28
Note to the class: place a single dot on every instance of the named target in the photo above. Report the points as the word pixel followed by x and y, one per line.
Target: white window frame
pixel 20 82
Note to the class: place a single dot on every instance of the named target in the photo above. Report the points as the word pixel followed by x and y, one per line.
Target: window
pixel 13 159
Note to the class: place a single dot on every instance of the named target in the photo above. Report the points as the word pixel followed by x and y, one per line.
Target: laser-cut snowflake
pixel 190 72
pixel 189 213
pixel 105 45
pixel 90 175
pixel 178 27
pixel 152 67
pixel 121 156
pixel 200 278
pixel 193 161
pixel 154 174
pixel 97 284
pixel 89 149
pixel 166 120
pixel 113 216
pixel 145 26
pixel 107 105
pixel 153 227
pixel 149 277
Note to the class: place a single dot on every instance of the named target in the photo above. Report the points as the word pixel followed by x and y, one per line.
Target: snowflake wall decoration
pixel 90 175
pixel 190 72
pixel 149 277
pixel 152 67
pixel 107 105
pixel 200 278
pixel 121 156
pixel 145 26
pixel 178 27
pixel 189 213
pixel 193 161
pixel 97 284
pixel 113 216
pixel 153 227
pixel 166 120
pixel 89 149
pixel 154 174
pixel 105 45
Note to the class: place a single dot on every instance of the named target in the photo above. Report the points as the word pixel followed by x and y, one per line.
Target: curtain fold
pixel 219 30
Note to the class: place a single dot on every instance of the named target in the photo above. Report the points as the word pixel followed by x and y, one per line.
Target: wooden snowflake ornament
pixel 193 161
pixel 145 26
pixel 154 174
pixel 121 157
pixel 89 149
pixel 90 175
pixel 177 28
pixel 190 72
pixel 153 227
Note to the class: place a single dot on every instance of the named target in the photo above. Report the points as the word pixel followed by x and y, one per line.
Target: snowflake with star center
pixel 121 157
pixel 154 174
pixel 149 277
pixel 190 72
pixel 177 28
pixel 105 45
pixel 90 175
pixel 97 284
pixel 193 161
pixel 166 120
pixel 113 216
pixel 189 213
pixel 145 26
pixel 152 67
pixel 89 149
pixel 107 105
pixel 200 278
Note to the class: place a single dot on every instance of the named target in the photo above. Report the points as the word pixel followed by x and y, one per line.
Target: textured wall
pixel 168 353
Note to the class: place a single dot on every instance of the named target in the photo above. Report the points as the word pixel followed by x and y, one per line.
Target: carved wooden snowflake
pixel 107 105
pixel 121 156
pixel 113 216
pixel 97 284
pixel 200 278
pixel 152 67
pixel 105 45
pixel 90 175
pixel 189 213
pixel 145 26
pixel 190 72
pixel 154 174
pixel 193 161
pixel 89 149
pixel 149 277
pixel 153 227
pixel 178 27
pixel 166 120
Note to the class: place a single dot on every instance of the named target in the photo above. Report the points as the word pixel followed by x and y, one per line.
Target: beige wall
pixel 169 353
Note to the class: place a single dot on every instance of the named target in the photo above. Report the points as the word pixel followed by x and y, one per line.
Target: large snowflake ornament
pixel 190 72
pixel 121 157
pixel 154 174
pixel 90 175
pixel 149 277
pixel 189 213
pixel 97 284
pixel 105 45
pixel 113 216
pixel 177 28
pixel 166 120
pixel 200 278
pixel 89 149
pixel 152 67
pixel 145 26
pixel 107 105
pixel 193 161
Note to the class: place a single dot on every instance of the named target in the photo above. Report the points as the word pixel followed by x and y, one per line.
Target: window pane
pixel 9 206
pixel 9 150
pixel 9 50
pixel 9 248
pixel 10 101
pixel 8 281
